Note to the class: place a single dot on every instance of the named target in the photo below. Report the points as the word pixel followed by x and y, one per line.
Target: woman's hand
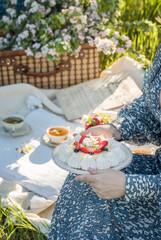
pixel 108 131
pixel 107 184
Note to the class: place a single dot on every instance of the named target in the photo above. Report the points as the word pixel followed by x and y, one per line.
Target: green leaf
pixel 89 119
pixel 105 120
pixel 75 43
pixel 49 58
pixel 62 20
pixel 43 21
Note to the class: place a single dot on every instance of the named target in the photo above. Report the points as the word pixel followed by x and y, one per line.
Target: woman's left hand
pixel 107 184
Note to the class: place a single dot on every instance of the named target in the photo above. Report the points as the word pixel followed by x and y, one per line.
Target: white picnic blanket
pixel 35 170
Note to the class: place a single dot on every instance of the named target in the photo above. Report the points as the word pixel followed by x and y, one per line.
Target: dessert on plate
pixel 98 119
pixel 86 151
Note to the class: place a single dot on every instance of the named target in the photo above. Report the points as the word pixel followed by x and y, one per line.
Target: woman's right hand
pixel 108 131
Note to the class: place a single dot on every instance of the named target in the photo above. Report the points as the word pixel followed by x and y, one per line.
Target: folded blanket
pixel 13 99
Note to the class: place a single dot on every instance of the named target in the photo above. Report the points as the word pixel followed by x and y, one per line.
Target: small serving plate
pixel 48 142
pixel 24 130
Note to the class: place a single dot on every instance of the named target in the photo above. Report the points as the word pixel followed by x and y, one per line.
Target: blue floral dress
pixel 81 214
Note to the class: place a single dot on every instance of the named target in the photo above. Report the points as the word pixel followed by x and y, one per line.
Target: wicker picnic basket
pixel 16 67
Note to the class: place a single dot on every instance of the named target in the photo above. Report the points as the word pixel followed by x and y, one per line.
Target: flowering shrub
pixel 48 28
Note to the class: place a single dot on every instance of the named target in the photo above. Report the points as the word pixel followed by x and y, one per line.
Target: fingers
pixel 93 171
pixel 86 178
pixel 86 132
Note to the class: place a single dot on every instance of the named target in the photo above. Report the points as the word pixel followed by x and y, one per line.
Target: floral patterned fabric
pixel 81 214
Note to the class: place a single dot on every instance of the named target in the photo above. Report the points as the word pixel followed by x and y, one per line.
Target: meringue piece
pixel 102 163
pixel 64 154
pixel 88 162
pixel 74 161
pixel 113 158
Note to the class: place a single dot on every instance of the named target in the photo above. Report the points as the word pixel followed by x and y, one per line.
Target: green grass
pixel 15 226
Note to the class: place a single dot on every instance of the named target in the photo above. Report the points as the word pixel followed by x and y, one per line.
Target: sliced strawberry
pixel 103 144
pixel 87 125
pixel 77 145
pixel 95 121
pixel 84 149
pixel 82 138
pixel 96 151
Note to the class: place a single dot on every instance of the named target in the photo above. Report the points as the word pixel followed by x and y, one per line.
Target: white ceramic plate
pixel 20 132
pixel 64 166
pixel 48 142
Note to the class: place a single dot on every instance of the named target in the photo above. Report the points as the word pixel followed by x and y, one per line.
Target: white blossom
pixel 48 11
pixel 6 19
pixel 91 42
pixel 5 40
pixel 36 45
pixel 29 52
pixel 106 32
pixel 84 19
pixel 44 50
pixel 78 27
pixel 106 46
pixel 34 7
pixel 30 26
pixel 52 3
pixel 67 38
pixel 26 2
pixel 78 49
pixel 23 35
pixel 58 39
pixel 128 43
pixel 73 20
pixel 14 2
pixel 65 47
pixel 120 50
pixel 124 38
pixel 1 41
pixel 8 35
pixel 38 55
pixel 116 34
pixel 49 30
pixel 11 12
pixel 21 18
pixel 81 37
pixel 24 148
pixel 52 52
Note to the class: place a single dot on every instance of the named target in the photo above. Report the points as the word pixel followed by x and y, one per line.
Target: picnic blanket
pixel 35 170
pixel 32 181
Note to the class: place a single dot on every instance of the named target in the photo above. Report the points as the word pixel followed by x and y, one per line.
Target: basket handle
pixel 24 70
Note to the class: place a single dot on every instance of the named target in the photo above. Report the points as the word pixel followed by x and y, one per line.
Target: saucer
pixel 20 132
pixel 48 142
